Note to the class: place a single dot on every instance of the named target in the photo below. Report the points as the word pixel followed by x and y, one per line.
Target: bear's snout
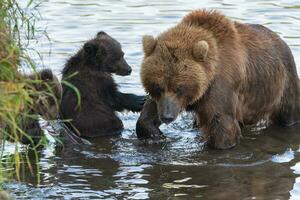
pixel 168 109
pixel 123 68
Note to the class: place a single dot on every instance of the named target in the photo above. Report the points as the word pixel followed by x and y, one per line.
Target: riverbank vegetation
pixel 17 29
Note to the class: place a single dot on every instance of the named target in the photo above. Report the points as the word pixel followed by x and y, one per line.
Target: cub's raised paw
pixel 137 103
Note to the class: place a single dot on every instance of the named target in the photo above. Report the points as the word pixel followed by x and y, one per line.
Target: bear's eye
pixel 180 91
pixel 155 91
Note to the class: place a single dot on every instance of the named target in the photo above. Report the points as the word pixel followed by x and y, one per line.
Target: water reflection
pixel 264 166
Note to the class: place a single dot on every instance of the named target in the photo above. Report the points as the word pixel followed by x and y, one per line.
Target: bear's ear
pixel 46 75
pixel 100 33
pixel 149 44
pixel 200 50
pixel 90 49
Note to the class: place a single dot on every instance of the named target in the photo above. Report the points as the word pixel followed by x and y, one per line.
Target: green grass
pixel 17 28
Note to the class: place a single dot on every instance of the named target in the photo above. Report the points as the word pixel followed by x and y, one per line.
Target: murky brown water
pixel 266 165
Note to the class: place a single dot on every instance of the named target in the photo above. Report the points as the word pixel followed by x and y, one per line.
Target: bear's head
pixel 105 54
pixel 46 94
pixel 178 68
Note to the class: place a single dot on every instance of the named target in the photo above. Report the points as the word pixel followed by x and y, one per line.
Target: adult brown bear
pixel 228 73
pixel 90 71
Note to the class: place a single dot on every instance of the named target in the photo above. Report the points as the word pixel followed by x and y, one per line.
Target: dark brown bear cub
pixel 228 73
pixel 46 103
pixel 45 92
pixel 90 71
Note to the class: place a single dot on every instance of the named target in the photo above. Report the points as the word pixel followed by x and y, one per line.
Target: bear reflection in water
pixel 90 71
pixel 228 73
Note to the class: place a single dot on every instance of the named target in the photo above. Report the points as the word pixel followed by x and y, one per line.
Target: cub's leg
pixel 96 121
pixel 34 131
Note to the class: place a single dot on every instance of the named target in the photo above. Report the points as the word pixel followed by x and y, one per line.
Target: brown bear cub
pixel 45 91
pixel 228 73
pixel 46 102
pixel 90 71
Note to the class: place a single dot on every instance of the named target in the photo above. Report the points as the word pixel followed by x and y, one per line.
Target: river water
pixel 266 165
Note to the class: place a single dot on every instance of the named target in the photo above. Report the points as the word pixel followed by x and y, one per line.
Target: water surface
pixel 266 165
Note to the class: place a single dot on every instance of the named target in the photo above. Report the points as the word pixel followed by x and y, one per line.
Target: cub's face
pixel 105 54
pixel 174 75
pixel 48 94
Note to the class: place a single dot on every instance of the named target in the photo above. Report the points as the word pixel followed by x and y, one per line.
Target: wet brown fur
pixel 90 71
pixel 45 91
pixel 248 75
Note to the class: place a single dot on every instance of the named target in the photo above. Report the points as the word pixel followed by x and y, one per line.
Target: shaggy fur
pixel 90 71
pixel 46 95
pixel 228 73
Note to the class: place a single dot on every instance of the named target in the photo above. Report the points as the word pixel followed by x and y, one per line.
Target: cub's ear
pixel 200 50
pixel 100 33
pixel 46 75
pixel 149 44
pixel 90 49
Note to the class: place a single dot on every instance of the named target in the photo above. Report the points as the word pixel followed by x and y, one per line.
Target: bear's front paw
pixel 145 132
pixel 223 141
